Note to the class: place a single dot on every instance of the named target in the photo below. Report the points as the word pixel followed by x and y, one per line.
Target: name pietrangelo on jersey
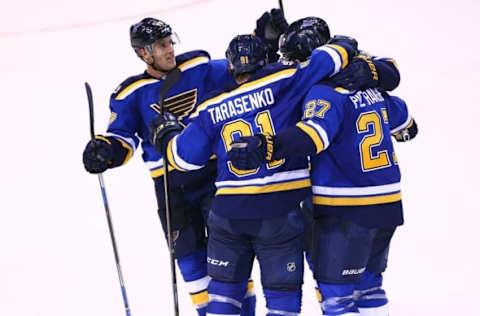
pixel 179 105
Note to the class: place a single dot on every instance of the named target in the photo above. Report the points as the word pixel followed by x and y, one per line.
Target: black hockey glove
pixel 162 128
pixel 251 152
pixel 408 133
pixel 98 155
pixel 269 28
pixel 360 74
pixel 347 42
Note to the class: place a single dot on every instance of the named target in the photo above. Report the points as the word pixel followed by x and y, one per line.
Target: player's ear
pixel 146 57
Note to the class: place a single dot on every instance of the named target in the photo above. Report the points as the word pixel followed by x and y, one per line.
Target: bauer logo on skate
pixel 217 262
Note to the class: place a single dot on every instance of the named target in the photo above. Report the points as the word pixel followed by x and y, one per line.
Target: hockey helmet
pixel 246 53
pixel 302 37
pixel 148 31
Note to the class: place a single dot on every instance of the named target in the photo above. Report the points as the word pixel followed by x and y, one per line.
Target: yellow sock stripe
pixel 319 295
pixel 355 201
pixel 250 288
pixel 312 133
pixel 170 159
pixel 199 298
pixel 343 53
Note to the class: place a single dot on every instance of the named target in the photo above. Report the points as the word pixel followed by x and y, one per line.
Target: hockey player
pixel 255 212
pixel 363 72
pixel 355 183
pixel 133 104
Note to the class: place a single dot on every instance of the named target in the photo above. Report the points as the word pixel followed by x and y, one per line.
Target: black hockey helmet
pixel 246 53
pixel 302 37
pixel 148 31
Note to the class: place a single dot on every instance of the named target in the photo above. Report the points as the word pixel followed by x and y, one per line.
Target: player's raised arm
pixel 185 151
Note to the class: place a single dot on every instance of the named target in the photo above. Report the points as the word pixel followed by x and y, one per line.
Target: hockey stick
pixel 172 78
pixel 107 209
pixel 280 4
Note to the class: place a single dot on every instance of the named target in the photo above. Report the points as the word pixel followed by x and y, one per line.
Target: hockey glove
pixel 251 152
pixel 98 155
pixel 408 133
pixel 349 43
pixel 162 128
pixel 269 28
pixel 360 74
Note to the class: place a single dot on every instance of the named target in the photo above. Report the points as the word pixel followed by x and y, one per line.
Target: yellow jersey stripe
pixel 170 159
pixel 199 298
pixel 342 51
pixel 276 187
pixel 312 133
pixel 197 60
pixel 160 171
pixel 245 88
pixel 133 86
pixel 356 201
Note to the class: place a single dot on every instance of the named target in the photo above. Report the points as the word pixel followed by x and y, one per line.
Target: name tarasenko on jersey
pixel 370 96
pixel 241 105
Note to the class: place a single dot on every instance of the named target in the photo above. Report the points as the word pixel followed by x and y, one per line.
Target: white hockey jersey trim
pixel 277 177
pixel 358 191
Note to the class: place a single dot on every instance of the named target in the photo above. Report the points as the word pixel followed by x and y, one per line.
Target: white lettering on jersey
pixel 366 97
pixel 241 105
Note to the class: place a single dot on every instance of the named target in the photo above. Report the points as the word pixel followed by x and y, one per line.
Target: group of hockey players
pixel 281 159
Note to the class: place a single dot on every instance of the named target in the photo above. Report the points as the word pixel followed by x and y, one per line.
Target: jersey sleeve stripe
pixel 403 125
pixel 127 140
pixel 132 87
pixel 312 133
pixel 193 63
pixel 170 155
pixel 175 160
pixel 340 51
pixel 320 131
pixel 356 201
pixel 356 191
pixel 283 74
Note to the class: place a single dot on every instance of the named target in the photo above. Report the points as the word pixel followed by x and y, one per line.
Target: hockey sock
pixel 283 302
pixel 369 295
pixel 249 301
pixel 226 298
pixel 337 299
pixel 194 271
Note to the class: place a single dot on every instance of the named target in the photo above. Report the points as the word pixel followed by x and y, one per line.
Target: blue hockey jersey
pixel 134 103
pixel 356 173
pixel 266 103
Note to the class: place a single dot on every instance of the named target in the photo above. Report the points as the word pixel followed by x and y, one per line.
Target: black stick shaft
pixel 107 208
pixel 280 4
pixel 172 78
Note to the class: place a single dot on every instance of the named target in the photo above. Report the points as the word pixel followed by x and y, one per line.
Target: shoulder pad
pixel 131 84
pixel 191 59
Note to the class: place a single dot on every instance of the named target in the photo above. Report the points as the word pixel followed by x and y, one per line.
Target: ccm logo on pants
pixel 216 262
